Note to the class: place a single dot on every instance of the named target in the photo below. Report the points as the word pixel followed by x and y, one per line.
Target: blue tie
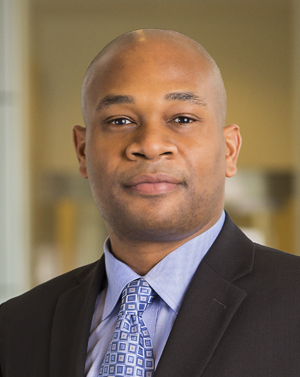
pixel 130 352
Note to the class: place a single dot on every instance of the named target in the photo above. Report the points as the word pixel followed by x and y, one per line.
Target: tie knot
pixel 136 297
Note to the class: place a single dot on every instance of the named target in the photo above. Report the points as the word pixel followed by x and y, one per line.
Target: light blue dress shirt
pixel 170 279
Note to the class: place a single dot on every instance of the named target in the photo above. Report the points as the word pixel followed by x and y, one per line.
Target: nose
pixel 151 142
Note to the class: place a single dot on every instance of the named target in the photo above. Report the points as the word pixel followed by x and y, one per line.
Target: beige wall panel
pixel 250 41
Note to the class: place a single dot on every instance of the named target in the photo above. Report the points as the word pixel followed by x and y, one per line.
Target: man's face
pixel 154 149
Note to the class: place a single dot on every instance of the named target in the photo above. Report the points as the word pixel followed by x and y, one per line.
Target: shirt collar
pixel 169 278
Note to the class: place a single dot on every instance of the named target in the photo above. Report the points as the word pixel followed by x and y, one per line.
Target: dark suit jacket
pixel 239 318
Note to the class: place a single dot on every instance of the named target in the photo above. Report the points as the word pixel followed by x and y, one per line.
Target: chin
pixel 156 229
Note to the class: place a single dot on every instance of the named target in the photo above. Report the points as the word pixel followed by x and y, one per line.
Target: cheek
pixel 102 155
pixel 103 165
pixel 97 166
pixel 206 161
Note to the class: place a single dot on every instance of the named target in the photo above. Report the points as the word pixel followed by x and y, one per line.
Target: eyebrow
pixel 112 99
pixel 185 96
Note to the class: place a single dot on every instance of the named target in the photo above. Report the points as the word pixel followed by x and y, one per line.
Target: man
pixel 199 298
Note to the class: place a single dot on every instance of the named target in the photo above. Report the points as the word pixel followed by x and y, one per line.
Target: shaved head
pixel 147 40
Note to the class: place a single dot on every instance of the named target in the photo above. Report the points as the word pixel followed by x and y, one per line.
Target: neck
pixel 141 256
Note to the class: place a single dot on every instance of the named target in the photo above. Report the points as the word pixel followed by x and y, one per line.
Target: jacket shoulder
pixel 277 266
pixel 43 297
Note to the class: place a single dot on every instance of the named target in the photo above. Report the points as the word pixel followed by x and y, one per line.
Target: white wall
pixel 13 184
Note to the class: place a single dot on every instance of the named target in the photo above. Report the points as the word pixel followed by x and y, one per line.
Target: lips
pixel 153 184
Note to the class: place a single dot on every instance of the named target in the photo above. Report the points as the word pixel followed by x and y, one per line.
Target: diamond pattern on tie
pixel 130 352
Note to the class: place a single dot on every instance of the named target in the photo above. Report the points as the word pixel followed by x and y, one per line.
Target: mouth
pixel 153 184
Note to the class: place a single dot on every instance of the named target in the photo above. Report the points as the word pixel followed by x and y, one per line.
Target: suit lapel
pixel 71 324
pixel 209 305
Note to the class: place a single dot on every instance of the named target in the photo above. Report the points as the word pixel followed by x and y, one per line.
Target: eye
pixel 183 119
pixel 121 121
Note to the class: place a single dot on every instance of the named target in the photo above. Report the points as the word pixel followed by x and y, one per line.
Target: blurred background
pixel 48 220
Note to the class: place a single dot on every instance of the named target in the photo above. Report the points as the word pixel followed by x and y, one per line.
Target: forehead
pixel 150 67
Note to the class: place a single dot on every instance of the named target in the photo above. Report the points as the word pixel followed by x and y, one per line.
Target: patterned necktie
pixel 130 352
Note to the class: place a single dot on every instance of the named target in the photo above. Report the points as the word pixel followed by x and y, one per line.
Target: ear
pixel 233 141
pixel 79 139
